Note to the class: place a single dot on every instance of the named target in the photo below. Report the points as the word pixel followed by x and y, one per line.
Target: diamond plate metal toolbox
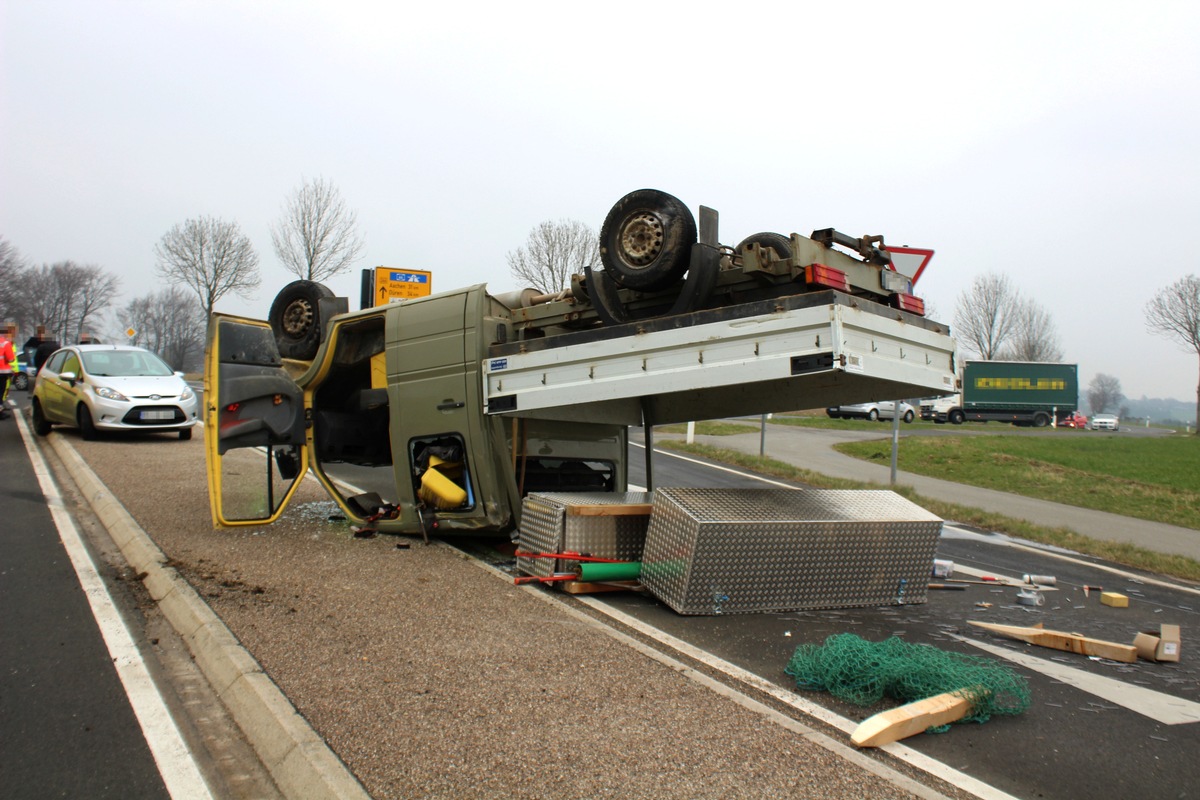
pixel 602 524
pixel 733 551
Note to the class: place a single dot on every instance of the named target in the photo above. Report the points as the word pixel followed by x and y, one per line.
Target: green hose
pixel 625 571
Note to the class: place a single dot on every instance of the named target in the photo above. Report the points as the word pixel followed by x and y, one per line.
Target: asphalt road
pixel 66 725
pixel 1093 739
pixel 1080 737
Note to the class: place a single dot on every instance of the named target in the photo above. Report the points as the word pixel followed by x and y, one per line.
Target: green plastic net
pixel 863 673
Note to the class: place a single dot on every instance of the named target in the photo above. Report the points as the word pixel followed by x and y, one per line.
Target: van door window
pixel 441 475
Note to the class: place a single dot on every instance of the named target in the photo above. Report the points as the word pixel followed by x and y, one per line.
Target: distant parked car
pixel 108 387
pixel 23 377
pixel 1075 420
pixel 882 409
pixel 1104 422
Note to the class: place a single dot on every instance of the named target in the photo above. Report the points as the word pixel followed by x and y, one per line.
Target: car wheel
pixel 873 415
pixel 41 425
pixel 21 382
pixel 87 428
pixel 185 434
pixel 295 319
pixel 908 416
pixel 646 240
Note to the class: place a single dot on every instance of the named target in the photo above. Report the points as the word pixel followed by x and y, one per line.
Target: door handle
pixel 450 405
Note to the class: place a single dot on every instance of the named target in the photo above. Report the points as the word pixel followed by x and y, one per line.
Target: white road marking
pixel 906 754
pixel 178 769
pixel 1160 707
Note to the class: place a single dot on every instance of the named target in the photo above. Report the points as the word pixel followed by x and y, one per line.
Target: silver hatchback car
pixel 98 387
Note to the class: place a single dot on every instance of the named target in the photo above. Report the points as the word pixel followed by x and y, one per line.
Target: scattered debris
pixel 1031 597
pixel 1114 599
pixel 941 687
pixel 1060 640
pixel 1163 647
pixel 913 718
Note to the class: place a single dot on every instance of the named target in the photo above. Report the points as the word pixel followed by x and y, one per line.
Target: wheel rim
pixel 297 318
pixel 642 238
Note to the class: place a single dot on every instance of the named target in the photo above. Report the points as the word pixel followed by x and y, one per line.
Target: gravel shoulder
pixel 431 677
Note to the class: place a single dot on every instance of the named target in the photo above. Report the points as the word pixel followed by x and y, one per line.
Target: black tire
pixel 295 319
pixel 41 425
pixel 1041 420
pixel 87 428
pixel 781 244
pixel 873 415
pixel 646 240
pixel 909 416
pixel 956 417
pixel 185 434
pixel 21 382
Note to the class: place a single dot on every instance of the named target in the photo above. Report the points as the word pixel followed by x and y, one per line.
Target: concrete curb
pixel 299 760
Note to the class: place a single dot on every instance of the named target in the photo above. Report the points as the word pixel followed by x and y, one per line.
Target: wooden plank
pixel 583 587
pixel 909 720
pixel 1061 640
pixel 617 510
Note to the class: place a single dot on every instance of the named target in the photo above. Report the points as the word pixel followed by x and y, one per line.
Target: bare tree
pixel 169 323
pixel 1104 393
pixel 553 253
pixel 987 315
pixel 1033 336
pixel 1175 314
pixel 11 267
pixel 211 257
pixel 66 298
pixel 317 236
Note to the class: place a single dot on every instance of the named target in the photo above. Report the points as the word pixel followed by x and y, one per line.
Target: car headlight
pixel 186 394
pixel 111 394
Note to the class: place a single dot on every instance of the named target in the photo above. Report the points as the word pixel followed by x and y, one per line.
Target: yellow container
pixel 1114 599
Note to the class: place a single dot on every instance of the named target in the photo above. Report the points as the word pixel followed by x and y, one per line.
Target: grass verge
pixel 1155 479
pixel 1117 552
pixel 709 428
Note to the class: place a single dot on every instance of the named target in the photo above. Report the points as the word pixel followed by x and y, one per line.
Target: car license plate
pixel 165 413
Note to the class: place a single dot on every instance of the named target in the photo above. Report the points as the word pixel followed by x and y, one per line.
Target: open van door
pixel 254 423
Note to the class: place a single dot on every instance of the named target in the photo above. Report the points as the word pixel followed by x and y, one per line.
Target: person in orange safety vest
pixel 8 367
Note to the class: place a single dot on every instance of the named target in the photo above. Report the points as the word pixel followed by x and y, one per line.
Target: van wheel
pixel 41 425
pixel 295 319
pixel 781 244
pixel 646 240
pixel 87 428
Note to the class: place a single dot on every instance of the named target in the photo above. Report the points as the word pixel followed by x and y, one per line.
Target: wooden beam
pixel 622 510
pixel 909 720
pixel 1061 640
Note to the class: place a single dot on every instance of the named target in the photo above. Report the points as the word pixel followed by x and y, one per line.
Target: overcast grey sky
pixel 1053 142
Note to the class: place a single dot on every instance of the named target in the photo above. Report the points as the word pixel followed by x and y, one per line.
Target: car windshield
pixel 124 363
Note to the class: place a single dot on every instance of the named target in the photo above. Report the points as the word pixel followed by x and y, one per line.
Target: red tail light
pixel 821 275
pixel 907 302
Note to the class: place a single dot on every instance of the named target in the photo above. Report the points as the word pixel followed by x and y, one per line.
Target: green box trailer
pixel 1021 392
